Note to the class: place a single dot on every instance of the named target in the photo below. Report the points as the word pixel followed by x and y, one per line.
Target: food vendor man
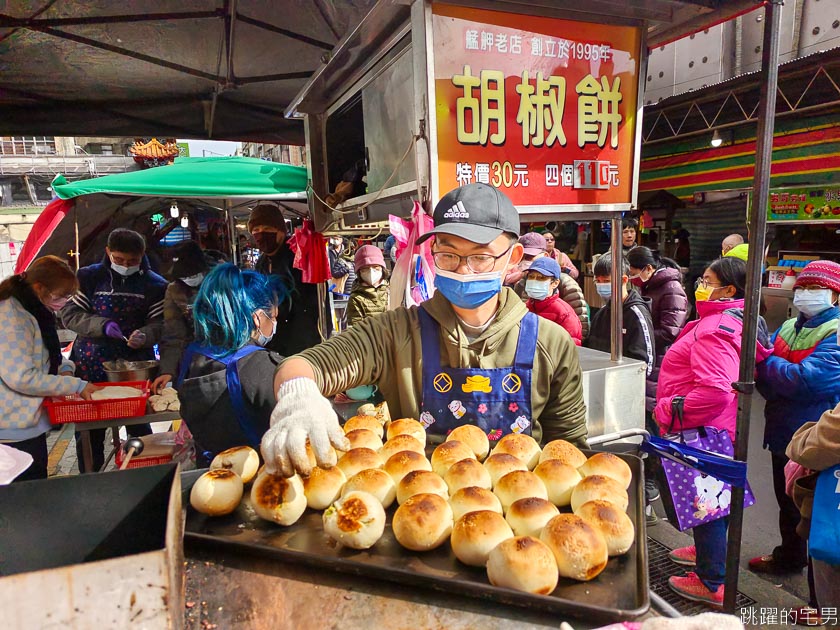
pixel 472 354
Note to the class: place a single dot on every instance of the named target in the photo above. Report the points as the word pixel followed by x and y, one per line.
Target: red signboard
pixel 543 108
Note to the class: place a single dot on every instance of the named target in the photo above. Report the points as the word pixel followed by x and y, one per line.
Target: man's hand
pixel 301 413
pixel 160 383
pixel 136 340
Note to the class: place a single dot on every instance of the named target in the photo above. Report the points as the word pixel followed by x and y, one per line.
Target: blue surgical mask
pixel 193 281
pixel 124 271
pixel 538 289
pixel 262 340
pixel 811 302
pixel 468 290
pixel 604 289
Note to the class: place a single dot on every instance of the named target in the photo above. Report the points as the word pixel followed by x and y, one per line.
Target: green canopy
pixel 227 177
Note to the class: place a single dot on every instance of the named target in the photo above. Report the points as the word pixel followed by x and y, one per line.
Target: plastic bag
pixel 412 280
pixel 311 247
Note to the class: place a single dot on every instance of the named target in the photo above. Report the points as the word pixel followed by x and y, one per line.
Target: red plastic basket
pixel 66 409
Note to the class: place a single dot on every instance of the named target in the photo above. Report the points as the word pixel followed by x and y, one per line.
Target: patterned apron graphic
pixel 497 400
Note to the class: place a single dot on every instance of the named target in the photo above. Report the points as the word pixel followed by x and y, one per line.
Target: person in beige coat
pixel 472 354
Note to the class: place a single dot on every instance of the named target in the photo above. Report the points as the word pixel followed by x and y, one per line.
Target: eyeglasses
pixel 477 263
pixel 705 283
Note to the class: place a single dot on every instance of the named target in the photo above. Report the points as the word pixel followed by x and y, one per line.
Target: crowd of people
pixel 245 352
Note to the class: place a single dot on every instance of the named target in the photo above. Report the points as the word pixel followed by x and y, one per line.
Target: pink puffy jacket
pixel 701 365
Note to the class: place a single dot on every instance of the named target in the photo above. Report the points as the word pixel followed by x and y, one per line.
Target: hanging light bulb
pixel 173 210
pixel 185 221
pixel 717 139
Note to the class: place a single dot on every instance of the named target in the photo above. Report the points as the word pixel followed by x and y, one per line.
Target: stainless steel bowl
pixel 131 370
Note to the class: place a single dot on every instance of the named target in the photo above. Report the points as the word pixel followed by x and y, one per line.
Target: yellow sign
pixel 477 384
pixel 511 383
pixel 442 383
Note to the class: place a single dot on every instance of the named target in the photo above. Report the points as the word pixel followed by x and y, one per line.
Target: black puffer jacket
pixel 637 340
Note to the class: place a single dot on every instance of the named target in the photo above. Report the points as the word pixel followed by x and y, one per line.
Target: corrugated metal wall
pixel 708 225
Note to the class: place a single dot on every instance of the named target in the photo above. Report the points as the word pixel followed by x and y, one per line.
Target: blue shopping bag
pixel 824 539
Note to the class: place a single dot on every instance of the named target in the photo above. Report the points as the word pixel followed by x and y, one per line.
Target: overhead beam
pixel 284 31
pixel 284 76
pixel 7 21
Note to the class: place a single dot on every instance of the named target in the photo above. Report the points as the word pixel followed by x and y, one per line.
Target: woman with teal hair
pixel 226 381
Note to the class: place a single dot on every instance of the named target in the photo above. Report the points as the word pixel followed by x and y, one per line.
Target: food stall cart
pixel 805 222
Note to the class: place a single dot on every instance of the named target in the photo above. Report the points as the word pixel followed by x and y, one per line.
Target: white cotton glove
pixel 301 412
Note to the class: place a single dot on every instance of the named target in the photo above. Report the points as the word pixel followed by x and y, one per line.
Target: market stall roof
pixel 222 69
pixel 203 178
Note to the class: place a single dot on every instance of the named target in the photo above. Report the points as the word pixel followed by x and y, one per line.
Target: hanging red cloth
pixel 42 229
pixel 310 250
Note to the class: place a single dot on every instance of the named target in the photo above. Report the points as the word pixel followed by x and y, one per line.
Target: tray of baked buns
pixel 555 528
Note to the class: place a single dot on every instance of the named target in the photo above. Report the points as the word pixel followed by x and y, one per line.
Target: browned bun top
pixel 425 509
pixel 270 490
pixel 372 423
pixel 565 452
pixel 405 458
pixel 220 474
pixel 362 437
pixel 532 506
pixel 233 450
pixel 352 514
pixel 405 426
pixel 499 459
pixel 609 465
pixel 579 540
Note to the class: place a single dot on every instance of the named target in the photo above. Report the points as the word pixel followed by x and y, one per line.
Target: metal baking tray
pixel 619 593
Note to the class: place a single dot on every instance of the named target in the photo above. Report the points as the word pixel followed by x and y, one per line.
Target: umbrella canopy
pixel 94 207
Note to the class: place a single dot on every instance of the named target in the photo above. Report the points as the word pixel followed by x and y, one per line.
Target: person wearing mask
pixel 226 380
pixel 32 367
pixel 566 264
pixel 299 312
pixel 730 242
pixel 534 247
pixel 659 280
pixel 340 269
pixel 370 292
pixel 117 313
pixel 189 268
pixel 541 283
pixel 637 339
pixel 799 382
pixel 472 354
pixel 700 368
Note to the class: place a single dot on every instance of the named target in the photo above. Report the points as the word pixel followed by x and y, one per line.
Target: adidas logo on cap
pixel 458 211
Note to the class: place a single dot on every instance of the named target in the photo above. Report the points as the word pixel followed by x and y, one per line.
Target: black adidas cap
pixel 476 212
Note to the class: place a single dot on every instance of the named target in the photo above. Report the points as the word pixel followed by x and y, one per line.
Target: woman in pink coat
pixel 701 366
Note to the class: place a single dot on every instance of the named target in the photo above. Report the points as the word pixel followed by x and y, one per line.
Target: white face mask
pixel 193 281
pixel 124 271
pixel 811 302
pixel 371 275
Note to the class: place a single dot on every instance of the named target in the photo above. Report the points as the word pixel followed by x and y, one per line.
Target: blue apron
pixel 234 385
pixel 497 400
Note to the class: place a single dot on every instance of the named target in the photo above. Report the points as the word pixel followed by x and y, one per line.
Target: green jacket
pixel 366 300
pixel 386 350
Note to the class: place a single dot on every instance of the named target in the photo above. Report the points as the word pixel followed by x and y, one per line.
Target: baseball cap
pixel 546 266
pixel 533 243
pixel 478 213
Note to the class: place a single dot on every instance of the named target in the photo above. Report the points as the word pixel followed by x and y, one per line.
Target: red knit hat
pixel 825 273
pixel 368 255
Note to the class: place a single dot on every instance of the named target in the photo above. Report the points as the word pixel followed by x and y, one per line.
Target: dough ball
pixel 373 481
pixel 565 451
pixel 527 517
pixel 614 525
pixel 598 487
pixel 371 423
pixel 243 460
pixel 560 480
pixel 608 465
pixel 500 464
pixel 523 564
pixel 473 499
pixel 448 453
pixel 358 459
pixel 278 499
pixel 356 520
pixel 522 447
pixel 404 462
pixel 473 437
pixel 476 534
pixel 323 486
pixel 466 473
pixel 423 522
pixel 421 482
pixel 216 492
pixel 407 426
pixel 363 438
pixel 519 484
pixel 400 443
pixel 579 549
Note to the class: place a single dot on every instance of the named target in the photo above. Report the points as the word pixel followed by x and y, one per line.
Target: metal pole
pixel 758 227
pixel 616 302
